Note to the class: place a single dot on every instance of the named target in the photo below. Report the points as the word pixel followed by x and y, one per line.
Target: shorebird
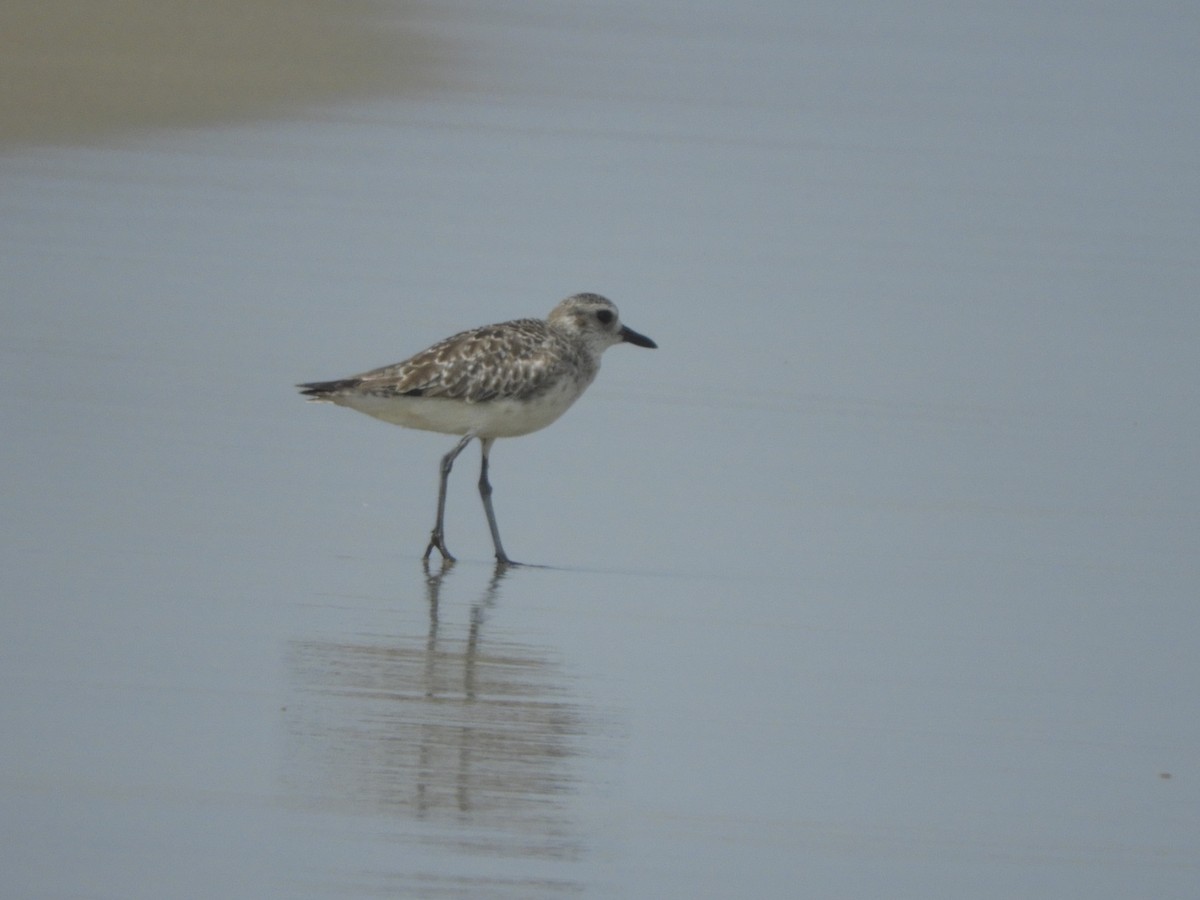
pixel 492 382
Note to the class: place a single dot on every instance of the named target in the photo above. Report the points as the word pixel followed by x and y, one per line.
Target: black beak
pixel 632 337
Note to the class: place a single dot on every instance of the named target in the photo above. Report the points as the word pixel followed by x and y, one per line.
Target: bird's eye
pixel 604 315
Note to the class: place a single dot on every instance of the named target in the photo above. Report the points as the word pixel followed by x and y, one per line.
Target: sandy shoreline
pixel 76 71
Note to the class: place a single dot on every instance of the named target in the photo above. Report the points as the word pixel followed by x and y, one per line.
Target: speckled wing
pixel 514 360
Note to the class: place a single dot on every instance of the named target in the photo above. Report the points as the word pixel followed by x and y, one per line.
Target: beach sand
pixel 74 71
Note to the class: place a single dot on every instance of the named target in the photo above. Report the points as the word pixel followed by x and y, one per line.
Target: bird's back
pixel 503 380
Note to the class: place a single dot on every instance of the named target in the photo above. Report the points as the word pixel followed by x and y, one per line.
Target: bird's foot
pixel 437 541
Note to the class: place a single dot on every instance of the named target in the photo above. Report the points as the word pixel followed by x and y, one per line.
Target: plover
pixel 492 382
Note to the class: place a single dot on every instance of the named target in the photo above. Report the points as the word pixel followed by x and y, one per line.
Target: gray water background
pixel 877 579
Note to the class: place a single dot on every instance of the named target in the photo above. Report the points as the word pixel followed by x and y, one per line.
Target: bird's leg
pixel 485 491
pixel 436 537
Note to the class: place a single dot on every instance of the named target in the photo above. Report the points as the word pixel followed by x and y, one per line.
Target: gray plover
pixel 496 381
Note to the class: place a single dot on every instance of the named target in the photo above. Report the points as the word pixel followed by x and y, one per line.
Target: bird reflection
pixel 452 727
pixel 433 588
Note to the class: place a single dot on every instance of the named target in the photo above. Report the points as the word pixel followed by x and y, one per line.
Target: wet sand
pixel 875 580
pixel 82 71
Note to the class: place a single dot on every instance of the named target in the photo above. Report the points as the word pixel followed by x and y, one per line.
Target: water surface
pixel 876 579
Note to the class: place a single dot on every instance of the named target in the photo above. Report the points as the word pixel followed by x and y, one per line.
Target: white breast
pixel 493 419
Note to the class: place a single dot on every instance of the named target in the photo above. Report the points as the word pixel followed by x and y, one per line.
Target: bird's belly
pixel 490 419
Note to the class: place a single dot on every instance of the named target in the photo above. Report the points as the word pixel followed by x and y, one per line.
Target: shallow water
pixel 876 579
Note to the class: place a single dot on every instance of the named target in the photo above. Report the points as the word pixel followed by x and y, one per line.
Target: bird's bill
pixel 632 337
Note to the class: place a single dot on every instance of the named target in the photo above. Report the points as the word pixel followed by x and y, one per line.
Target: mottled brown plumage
pixel 496 381
pixel 512 360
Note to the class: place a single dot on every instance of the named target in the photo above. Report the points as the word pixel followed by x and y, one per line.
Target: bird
pixel 495 381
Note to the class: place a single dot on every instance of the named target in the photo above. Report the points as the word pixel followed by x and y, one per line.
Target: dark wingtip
pixel 319 390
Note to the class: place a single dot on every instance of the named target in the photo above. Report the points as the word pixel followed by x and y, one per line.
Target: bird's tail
pixel 327 390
